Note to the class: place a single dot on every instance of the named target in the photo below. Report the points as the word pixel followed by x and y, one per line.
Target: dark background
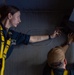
pixel 39 17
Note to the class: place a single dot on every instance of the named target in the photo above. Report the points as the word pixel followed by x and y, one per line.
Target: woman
pixel 10 17
pixel 57 62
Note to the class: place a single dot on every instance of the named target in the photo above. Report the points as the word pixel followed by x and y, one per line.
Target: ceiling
pixel 40 4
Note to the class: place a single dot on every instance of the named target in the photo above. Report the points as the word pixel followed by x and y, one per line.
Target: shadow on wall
pixel 33 69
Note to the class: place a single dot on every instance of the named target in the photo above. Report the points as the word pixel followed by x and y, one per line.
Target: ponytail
pixel 5 9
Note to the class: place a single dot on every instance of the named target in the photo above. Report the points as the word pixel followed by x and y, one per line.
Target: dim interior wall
pixel 42 4
pixel 29 59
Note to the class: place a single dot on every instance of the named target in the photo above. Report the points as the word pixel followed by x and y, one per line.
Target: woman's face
pixel 15 19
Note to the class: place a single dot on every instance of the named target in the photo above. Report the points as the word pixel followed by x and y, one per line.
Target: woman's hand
pixel 55 33
pixel 70 38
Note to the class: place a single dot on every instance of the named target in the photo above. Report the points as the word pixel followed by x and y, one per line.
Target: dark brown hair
pixel 5 9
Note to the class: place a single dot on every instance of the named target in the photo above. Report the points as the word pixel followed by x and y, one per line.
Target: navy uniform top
pixel 17 38
pixel 47 70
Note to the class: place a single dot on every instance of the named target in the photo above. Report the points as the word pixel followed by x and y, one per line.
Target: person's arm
pixel 65 48
pixel 44 37
pixel 70 40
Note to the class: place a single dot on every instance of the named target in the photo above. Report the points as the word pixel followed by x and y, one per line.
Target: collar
pixel 4 27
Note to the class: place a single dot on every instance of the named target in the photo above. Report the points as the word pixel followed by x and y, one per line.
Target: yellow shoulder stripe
pixel 65 72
